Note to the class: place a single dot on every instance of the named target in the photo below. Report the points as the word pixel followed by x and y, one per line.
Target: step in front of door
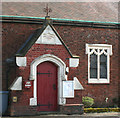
pixel 72 109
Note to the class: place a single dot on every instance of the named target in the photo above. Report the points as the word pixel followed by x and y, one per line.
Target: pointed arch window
pixel 98 62
pixel 93 66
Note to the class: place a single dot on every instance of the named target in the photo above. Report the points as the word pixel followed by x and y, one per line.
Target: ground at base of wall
pixel 62 109
pixel 85 115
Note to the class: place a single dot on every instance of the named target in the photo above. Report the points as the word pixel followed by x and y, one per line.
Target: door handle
pixel 54 86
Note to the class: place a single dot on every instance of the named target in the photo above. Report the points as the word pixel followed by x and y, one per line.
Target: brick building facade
pixel 77 45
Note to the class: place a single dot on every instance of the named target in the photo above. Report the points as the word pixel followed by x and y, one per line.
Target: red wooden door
pixel 47 86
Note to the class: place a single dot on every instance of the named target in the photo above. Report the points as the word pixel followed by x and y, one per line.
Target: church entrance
pixel 47 86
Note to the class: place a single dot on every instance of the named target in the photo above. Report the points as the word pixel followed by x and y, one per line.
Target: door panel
pixel 47 86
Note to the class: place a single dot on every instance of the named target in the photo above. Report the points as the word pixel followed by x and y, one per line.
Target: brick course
pixel 15 34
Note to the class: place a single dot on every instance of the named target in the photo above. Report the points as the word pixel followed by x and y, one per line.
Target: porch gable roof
pixel 34 36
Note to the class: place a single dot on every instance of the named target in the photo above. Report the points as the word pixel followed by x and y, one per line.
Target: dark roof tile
pixel 89 11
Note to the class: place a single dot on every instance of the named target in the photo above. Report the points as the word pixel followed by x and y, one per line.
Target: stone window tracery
pixel 98 62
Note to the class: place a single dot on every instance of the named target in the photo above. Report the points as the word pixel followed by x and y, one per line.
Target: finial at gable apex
pixel 48 20
pixel 47 10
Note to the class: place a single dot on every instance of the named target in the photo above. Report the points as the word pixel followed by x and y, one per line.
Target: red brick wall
pixel 76 38
pixel 13 37
pixel 25 95
pixel 15 34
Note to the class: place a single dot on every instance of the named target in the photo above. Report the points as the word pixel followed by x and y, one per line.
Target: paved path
pixel 87 115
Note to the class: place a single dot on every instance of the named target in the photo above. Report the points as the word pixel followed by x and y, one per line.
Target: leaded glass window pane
pixel 103 66
pixel 93 66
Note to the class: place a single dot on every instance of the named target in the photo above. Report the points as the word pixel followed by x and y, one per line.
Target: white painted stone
pixel 102 46
pixel 17 84
pixel 73 62
pixel 77 84
pixel 62 100
pixel 33 101
pixel 90 49
pixel 61 74
pixel 48 37
pixel 21 61
pixel 67 69
pixel 66 77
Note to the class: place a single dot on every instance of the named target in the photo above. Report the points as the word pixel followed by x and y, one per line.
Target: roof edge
pixel 31 40
pixel 57 19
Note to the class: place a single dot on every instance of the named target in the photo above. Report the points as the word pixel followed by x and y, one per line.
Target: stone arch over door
pixel 61 76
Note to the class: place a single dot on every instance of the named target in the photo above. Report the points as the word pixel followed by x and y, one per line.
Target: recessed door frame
pixel 61 76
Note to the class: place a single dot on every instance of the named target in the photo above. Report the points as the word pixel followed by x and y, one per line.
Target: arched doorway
pixel 60 77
